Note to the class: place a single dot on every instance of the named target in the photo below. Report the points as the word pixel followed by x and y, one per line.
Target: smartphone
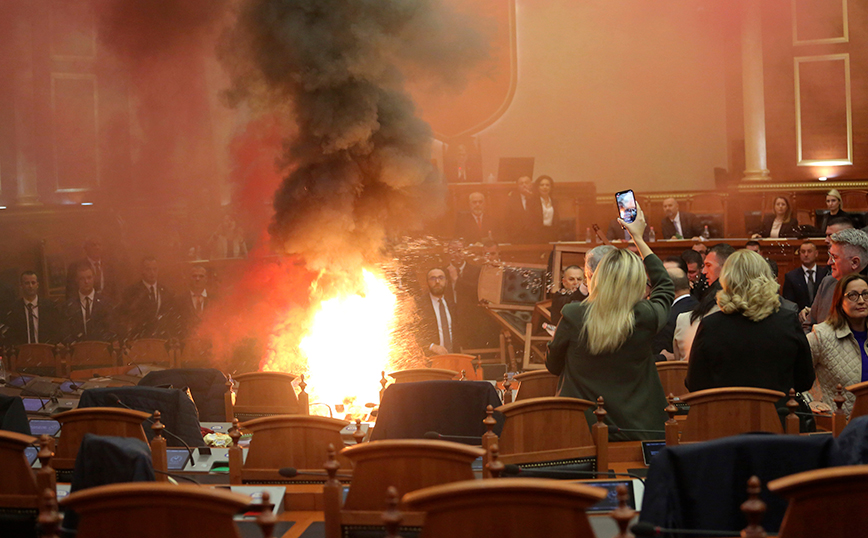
pixel 626 205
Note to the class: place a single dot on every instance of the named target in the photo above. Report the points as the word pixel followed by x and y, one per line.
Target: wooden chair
pixel 824 502
pixel 423 374
pixel 20 486
pixel 43 356
pixel 551 432
pixel 98 420
pixel 860 406
pixel 262 394
pixel 145 510
pixel 710 203
pixel 150 351
pixel 458 362
pixel 408 465
pixel 672 375
pixel 90 354
pixel 536 384
pixel 722 412
pixel 854 200
pixel 506 508
pixel 298 441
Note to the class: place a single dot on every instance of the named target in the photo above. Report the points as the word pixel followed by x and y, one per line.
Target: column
pixel 752 88
pixel 24 105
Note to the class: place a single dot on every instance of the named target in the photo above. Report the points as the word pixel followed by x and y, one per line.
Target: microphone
pixel 649 529
pixel 139 368
pixel 117 400
pixel 292 472
pixel 435 435
pixel 38 396
pixel 515 470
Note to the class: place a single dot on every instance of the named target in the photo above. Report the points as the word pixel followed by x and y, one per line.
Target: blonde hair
pixel 836 194
pixel 748 286
pixel 617 286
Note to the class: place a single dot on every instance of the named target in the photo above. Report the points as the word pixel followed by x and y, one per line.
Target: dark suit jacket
pixel 101 326
pixel 561 299
pixel 184 319
pixel 548 234
pixel 427 332
pixel 795 287
pixel 110 277
pixel 140 318
pixel 616 232
pixel 49 322
pixel 466 228
pixel 524 225
pixel 663 340
pixel 690 226
pixel 788 229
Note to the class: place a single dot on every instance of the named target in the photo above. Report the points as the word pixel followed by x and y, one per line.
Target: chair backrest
pixel 143 510
pixel 18 487
pixel 824 502
pixel 541 430
pixel 423 374
pixel 98 420
pixel 722 412
pixel 854 200
pixel 90 354
pixel 672 375
pixel 860 406
pixel 150 351
pixel 264 394
pixel 506 508
pixel 457 362
pixel 298 441
pixel 37 356
pixel 537 384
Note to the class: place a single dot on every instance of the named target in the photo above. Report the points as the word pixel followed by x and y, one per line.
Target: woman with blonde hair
pixel 835 208
pixel 752 341
pixel 602 346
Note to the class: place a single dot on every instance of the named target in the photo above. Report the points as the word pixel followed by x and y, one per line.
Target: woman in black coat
pixel 780 223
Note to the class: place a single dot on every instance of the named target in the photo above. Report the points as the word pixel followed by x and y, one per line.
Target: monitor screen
pixel 20 381
pixel 650 449
pixel 34 405
pixel 40 426
pixel 31 452
pixel 177 458
pixel 611 501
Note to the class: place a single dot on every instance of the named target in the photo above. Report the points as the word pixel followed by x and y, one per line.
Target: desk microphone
pixel 514 470
pixel 435 435
pixel 39 397
pixel 139 368
pixel 118 401
pixel 292 472
pixel 651 530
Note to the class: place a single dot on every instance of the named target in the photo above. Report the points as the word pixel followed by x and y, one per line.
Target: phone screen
pixel 626 205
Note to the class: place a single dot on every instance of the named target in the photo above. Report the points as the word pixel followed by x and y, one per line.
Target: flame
pixel 349 339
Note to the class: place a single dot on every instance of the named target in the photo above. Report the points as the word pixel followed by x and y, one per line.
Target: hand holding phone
pixel 626 201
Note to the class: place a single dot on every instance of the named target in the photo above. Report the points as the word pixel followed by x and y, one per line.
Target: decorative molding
pixel 843 161
pixel 75 76
pixel 804 186
pixel 823 41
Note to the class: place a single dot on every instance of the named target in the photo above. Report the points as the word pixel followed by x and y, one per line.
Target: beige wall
pixel 625 93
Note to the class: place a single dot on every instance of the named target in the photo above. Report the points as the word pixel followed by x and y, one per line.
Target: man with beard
pixel 435 330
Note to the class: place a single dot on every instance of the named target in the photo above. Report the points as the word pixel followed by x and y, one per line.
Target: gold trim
pixel 825 41
pixel 824 58
pixel 513 81
pixel 804 186
pixel 682 196
pixel 76 76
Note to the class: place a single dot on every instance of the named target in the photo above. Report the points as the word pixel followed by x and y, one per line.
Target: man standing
pixel 147 304
pixel 714 261
pixel 524 211
pixel 573 277
pixel 683 302
pixel 435 331
pixel 104 276
pixel 192 306
pixel 87 315
pixel 800 284
pixel 677 224
pixel 31 320
pixel 848 254
pixel 478 225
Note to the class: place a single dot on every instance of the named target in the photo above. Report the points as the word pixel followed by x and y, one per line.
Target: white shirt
pixel 84 312
pixel 194 297
pixel 680 297
pixel 435 301
pixel 548 212
pixel 806 269
pixel 676 221
pixel 32 338
pixel 156 292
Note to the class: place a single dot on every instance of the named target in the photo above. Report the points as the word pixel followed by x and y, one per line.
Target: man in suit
pixel 524 213
pixel 88 315
pixel 435 330
pixel 678 224
pixel 193 305
pixel 31 319
pixel 572 279
pixel 478 225
pixel 105 277
pixel 461 290
pixel 801 283
pixel 848 254
pixel 683 302
pixel 147 305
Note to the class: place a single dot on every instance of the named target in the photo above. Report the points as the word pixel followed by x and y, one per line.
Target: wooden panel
pixel 266 393
pixel 672 376
pixel 74 104
pixel 823 114
pixel 544 424
pixel 539 384
pixel 817 22
pixel 716 413
pixel 18 487
pixel 97 420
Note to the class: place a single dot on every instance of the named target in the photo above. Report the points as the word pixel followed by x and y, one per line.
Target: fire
pixel 349 339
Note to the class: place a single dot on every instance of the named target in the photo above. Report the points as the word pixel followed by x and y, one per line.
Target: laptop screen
pixel 611 501
pixel 40 426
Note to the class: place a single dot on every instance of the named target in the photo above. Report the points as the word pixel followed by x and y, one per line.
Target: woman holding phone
pixel 602 346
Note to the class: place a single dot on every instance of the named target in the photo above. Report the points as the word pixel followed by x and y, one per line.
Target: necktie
pixel 478 222
pixel 86 313
pixel 444 326
pixel 200 303
pixel 811 288
pixel 31 327
pixel 151 295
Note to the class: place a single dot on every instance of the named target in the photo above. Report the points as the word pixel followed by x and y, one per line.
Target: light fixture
pixel 823 178
pixel 87 203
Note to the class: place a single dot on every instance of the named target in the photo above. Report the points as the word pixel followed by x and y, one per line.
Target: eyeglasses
pixel 854 296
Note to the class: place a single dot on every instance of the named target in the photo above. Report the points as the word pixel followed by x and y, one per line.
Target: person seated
pixel 32 319
pixel 848 254
pixel 550 218
pixel 573 277
pixel 800 284
pixel 780 223
pixel 679 224
pixel 436 329
pixel 478 225
pixel 682 303
pixel 88 315
pixel 752 341
pixel 838 344
pixel 602 346
pixel 148 306
pixel 754 246
pixel 835 210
